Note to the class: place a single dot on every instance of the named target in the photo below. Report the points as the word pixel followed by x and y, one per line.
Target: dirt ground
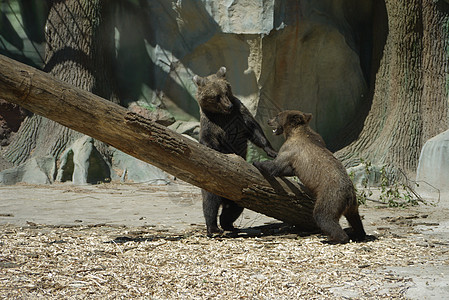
pixel 148 242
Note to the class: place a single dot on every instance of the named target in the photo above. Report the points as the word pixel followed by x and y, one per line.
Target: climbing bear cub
pixel 304 154
pixel 226 125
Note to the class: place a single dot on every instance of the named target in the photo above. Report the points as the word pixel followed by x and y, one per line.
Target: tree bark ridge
pixel 410 99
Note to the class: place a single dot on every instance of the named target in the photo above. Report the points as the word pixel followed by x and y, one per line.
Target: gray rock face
pixel 433 166
pixel 35 171
pixel 242 17
pixel 309 55
pixel 365 176
pixel 304 55
pixel 130 169
pixel 82 163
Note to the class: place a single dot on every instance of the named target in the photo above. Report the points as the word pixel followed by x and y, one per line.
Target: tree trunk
pixel 226 175
pixel 80 49
pixel 410 102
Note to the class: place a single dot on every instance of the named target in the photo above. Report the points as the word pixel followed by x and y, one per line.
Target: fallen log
pixel 226 175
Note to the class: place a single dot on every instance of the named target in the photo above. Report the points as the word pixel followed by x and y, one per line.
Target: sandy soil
pixel 142 241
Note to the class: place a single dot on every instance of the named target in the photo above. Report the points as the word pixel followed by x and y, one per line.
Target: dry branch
pixel 226 175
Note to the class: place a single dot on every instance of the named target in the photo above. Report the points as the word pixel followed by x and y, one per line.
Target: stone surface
pixel 287 54
pixel 279 55
pixel 433 166
pixel 35 171
pixel 255 16
pixel 365 176
pixel 157 114
pixel 130 169
pixel 82 163
pixel 189 128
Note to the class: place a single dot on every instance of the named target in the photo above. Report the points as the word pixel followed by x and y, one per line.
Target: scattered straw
pixel 108 262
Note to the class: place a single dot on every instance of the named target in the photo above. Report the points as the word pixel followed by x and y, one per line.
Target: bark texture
pixel 79 49
pixel 410 102
pixel 226 175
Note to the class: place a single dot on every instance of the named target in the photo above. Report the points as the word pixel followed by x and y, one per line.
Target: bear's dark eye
pixel 217 98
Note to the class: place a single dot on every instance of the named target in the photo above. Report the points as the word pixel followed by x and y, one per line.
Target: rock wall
pixel 433 166
pixel 307 55
pixel 314 56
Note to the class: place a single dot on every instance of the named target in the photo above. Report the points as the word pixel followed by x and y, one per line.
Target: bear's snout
pixel 277 128
pixel 226 105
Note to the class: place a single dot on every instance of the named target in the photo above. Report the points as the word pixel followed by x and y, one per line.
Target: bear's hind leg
pixel 230 212
pixel 358 232
pixel 211 205
pixel 329 224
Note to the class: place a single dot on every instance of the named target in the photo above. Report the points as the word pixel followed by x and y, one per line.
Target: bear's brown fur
pixel 304 154
pixel 226 125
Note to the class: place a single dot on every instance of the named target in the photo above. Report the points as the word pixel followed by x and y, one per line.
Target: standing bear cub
pixel 226 125
pixel 304 154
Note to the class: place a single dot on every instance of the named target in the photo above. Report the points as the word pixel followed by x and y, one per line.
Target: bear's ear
pixel 295 119
pixel 307 118
pixel 198 80
pixel 298 118
pixel 221 73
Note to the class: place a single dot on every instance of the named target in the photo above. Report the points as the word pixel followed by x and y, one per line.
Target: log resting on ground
pixel 225 175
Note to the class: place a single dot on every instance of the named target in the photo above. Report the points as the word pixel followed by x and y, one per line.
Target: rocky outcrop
pixel 81 164
pixel 39 170
pixel 309 55
pixel 159 115
pixel 433 166
pixel 129 169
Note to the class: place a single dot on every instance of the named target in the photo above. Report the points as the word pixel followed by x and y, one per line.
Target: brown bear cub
pixel 304 154
pixel 226 125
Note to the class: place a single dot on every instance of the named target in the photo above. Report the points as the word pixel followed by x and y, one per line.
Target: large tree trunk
pixel 226 175
pixel 410 102
pixel 80 49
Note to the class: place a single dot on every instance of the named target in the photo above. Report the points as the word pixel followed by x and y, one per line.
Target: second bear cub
pixel 226 125
pixel 305 155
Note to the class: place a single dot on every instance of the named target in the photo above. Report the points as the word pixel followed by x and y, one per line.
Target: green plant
pixel 397 193
pixel 393 191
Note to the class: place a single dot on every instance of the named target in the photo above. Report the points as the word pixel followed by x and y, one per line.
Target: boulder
pixel 130 169
pixel 157 114
pixel 82 163
pixel 364 175
pixel 433 166
pixel 39 170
